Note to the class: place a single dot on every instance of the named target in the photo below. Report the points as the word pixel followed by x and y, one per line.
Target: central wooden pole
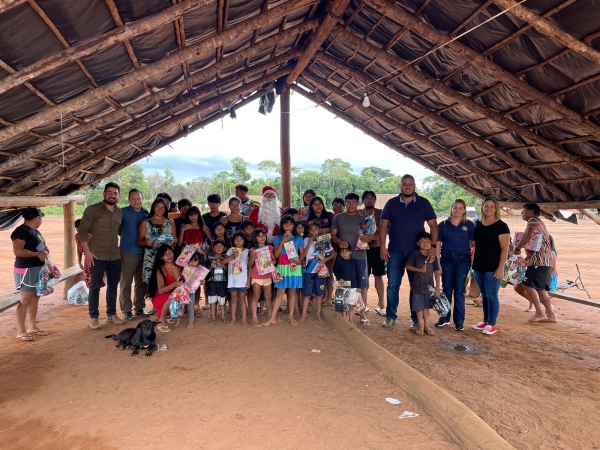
pixel 286 160
pixel 70 247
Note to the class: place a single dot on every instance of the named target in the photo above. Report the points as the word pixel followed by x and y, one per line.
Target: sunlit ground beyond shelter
pixel 223 387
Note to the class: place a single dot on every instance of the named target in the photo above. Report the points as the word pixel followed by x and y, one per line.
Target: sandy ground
pixel 224 387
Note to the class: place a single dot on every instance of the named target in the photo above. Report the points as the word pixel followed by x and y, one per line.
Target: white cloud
pixel 316 135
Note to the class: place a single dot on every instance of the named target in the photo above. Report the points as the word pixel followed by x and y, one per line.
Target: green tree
pixel 269 168
pixel 239 173
pixel 442 193
pixel 377 173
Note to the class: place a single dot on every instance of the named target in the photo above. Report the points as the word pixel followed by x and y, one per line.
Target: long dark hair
pixel 311 213
pixel 287 219
pixel 308 191
pixel 156 202
pixel 255 234
pixel 194 210
pixel 157 269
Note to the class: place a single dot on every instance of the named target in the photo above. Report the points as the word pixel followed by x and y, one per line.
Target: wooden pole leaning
pixel 69 245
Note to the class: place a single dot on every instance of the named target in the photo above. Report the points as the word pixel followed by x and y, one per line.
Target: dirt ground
pixel 223 387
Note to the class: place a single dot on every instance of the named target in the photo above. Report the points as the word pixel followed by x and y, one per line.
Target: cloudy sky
pixel 315 136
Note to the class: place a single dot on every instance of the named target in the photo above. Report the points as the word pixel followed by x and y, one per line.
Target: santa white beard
pixel 269 214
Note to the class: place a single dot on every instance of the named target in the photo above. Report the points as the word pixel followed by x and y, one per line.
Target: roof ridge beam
pixel 448 124
pixel 550 30
pixel 155 113
pixel 421 140
pixel 99 43
pixel 319 101
pixel 136 76
pixel 388 8
pixel 334 14
pixel 215 101
pixel 156 97
pixel 433 83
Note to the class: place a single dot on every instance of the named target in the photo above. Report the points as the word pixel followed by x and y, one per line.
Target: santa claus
pixel 268 214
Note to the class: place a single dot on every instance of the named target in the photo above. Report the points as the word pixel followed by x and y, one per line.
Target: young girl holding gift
pixel 238 281
pixel 289 249
pixel 261 262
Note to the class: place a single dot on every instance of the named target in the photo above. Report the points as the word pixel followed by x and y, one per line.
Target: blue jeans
pixel 455 267
pixel 395 272
pixel 489 288
pixel 113 274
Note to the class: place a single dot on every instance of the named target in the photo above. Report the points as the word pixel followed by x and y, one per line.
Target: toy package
pixel 264 264
pixel 78 294
pixel 367 227
pixel 186 254
pixel 194 276
pixel 162 239
pixel 47 279
pixel 237 262
pixel 439 302
pixel 514 271
pixel 290 250
pixel 179 298
pixel 342 292
pixel 275 275
pixel 534 244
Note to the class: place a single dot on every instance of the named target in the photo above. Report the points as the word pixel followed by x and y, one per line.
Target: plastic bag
pixel 322 271
pixel 439 302
pixel 47 279
pixel 179 298
pixel 275 275
pixel 78 294
pixel 237 262
pixel 367 227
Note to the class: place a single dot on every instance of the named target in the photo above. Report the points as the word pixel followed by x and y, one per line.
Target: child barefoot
pixel 315 255
pixel 217 281
pixel 197 259
pixel 289 268
pixel 261 258
pixel 419 288
pixel 237 283
pixel 346 269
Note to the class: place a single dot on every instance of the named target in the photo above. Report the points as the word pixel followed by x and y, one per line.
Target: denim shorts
pixel 312 284
pixel 242 290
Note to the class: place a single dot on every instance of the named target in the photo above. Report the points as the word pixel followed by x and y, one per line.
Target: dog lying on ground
pixel 142 336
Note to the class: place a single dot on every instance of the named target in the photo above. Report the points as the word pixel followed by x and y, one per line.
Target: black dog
pixel 143 336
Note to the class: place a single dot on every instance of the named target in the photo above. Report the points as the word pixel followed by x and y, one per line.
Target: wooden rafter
pixel 319 100
pixel 333 15
pixel 152 69
pixel 156 114
pixel 550 30
pixel 420 76
pixel 405 131
pixel 416 108
pixel 27 84
pixel 156 97
pixel 206 106
pixel 388 8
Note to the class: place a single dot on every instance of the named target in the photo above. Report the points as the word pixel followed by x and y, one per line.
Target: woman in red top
pixel 193 230
pixel 164 279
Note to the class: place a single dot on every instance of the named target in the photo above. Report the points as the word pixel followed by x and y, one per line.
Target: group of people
pixel 257 254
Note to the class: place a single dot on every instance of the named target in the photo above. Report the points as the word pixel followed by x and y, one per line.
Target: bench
pixel 8 301
pixel 574 298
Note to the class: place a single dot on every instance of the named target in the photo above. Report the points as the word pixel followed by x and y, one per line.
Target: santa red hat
pixel 269 190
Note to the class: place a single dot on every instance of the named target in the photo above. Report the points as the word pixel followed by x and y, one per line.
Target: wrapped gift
pixel 263 262
pixel 322 271
pixel 179 298
pixel 367 227
pixel 237 262
pixel 47 278
pixel 194 276
pixel 186 254
pixel 162 239
pixel 275 275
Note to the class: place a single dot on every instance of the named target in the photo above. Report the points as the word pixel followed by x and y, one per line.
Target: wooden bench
pixel 574 298
pixel 11 300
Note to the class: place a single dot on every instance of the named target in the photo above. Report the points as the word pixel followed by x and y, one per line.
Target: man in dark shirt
pixel 403 217
pixel 213 216
pixel 103 221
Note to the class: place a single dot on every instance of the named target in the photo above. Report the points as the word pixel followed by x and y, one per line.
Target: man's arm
pixel 84 228
pixel 434 229
pixel 383 232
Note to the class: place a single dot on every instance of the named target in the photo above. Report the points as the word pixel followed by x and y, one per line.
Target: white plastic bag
pixel 78 294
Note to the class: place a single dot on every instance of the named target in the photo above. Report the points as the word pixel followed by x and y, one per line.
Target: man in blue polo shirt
pixel 403 217
pixel 132 257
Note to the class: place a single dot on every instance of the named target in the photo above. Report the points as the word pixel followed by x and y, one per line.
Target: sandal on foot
pixel 365 321
pixel 430 332
pixel 293 323
pixel 39 332
pixel 257 324
pixel 419 332
pixel 163 328
pixel 25 337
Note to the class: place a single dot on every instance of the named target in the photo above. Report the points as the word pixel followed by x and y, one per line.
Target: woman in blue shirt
pixel 455 239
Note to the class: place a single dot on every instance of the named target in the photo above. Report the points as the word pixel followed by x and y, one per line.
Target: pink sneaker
pixel 480 326
pixel 490 329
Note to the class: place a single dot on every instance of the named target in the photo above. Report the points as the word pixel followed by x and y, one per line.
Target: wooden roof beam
pixel 154 114
pixel 550 30
pixel 334 14
pixel 99 43
pixel 423 141
pixel 206 106
pixel 466 101
pixel 397 14
pixel 391 144
pixel 27 84
pixel 151 69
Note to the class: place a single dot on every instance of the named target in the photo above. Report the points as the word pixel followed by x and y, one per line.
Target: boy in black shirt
pixel 419 288
pixel 347 269
pixel 217 281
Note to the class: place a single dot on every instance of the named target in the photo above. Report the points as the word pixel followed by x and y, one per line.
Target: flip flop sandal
pixel 365 321
pixel 163 328
pixel 39 332
pixel 419 332
pixel 430 332
pixel 25 337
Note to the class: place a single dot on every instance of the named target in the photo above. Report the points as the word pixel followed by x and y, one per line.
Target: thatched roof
pixel 511 108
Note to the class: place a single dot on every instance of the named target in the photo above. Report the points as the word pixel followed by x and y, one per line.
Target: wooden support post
pixel 70 247
pixel 591 215
pixel 286 160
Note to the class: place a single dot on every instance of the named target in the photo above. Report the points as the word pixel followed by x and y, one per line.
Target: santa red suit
pixel 268 215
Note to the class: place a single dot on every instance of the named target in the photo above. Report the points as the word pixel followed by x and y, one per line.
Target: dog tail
pixel 111 336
